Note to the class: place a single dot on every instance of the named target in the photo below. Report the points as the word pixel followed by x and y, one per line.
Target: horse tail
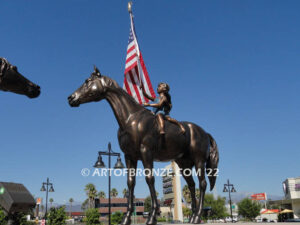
pixel 212 162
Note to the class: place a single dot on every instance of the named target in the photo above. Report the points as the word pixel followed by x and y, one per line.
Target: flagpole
pixel 129 7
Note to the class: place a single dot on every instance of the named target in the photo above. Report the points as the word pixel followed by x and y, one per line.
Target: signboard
pixel 259 196
pixel 38 201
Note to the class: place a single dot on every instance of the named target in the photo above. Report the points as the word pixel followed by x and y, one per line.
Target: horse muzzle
pixel 73 100
pixel 33 91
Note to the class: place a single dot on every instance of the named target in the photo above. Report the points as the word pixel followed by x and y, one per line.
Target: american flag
pixel 136 75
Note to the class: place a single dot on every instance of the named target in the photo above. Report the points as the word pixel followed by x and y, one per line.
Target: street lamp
pixel 100 164
pixel 47 190
pixel 229 188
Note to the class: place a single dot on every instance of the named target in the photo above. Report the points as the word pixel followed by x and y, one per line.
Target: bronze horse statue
pixel 139 139
pixel 11 80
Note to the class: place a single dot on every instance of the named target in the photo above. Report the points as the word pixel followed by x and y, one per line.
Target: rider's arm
pixel 147 96
pixel 158 105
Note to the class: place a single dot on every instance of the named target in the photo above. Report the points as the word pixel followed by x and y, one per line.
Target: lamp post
pixel 47 190
pixel 100 164
pixel 229 188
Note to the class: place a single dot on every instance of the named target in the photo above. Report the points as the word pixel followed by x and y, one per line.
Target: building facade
pixel 291 200
pixel 172 191
pixel 120 205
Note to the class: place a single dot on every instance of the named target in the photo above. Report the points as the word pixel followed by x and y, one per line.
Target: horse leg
pixel 202 187
pixel 147 160
pixel 188 165
pixel 131 166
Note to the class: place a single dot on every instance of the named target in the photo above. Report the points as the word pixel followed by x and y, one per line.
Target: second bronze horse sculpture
pixel 11 80
pixel 139 139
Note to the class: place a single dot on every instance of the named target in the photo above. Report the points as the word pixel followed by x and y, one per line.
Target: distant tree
pixel 248 209
pixel 71 200
pixel 91 192
pixel 92 217
pixel 116 218
pixel 42 208
pixel 101 194
pixel 114 193
pixel 84 205
pixel 218 209
pixel 125 193
pixel 147 204
pixel 20 219
pixel 51 202
pixel 186 194
pixel 186 212
pixel 3 218
pixel 57 216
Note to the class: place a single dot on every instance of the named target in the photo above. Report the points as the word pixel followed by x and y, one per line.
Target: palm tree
pixel 101 194
pixel 71 200
pixel 85 204
pixel 42 208
pixel 91 192
pixel 51 201
pixel 186 194
pixel 125 193
pixel 114 193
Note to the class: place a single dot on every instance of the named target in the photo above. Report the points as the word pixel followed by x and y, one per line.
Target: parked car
pixel 233 220
pixel 293 220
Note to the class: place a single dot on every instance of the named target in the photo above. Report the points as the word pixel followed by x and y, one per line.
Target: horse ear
pixel 96 71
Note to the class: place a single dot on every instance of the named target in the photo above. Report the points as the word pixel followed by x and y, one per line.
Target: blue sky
pixel 233 68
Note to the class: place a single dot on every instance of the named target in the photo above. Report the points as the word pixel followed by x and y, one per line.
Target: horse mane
pixel 113 85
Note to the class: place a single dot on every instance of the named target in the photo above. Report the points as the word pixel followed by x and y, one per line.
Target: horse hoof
pixel 126 221
pixel 192 218
pixel 151 221
pixel 197 220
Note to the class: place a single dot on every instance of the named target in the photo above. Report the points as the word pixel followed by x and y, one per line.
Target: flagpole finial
pixel 130 6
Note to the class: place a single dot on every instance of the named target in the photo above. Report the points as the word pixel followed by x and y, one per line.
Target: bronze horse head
pixel 93 89
pixel 11 80
pixel 139 139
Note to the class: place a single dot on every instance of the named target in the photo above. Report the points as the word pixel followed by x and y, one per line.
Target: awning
pixel 286 211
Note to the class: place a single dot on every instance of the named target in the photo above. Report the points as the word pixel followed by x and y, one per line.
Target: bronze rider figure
pixel 163 107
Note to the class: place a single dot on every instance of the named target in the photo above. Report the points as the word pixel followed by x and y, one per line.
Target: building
pixel 172 191
pixel 120 205
pixel 291 200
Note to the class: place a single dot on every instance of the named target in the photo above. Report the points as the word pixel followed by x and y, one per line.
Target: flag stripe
pixel 136 75
pixel 145 73
pixel 130 48
pixel 135 86
pixel 133 56
pixel 127 87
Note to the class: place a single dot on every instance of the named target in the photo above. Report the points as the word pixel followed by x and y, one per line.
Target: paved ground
pixel 243 223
